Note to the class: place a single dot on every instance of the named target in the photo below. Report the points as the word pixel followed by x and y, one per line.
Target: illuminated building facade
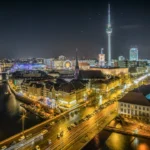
pixel 113 71
pixel 133 54
pixel 64 93
pixel 84 66
pixel 27 66
pixel 134 104
pixel 66 64
pixel 101 58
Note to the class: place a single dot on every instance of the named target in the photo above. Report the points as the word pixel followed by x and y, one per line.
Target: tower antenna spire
pixel 109 19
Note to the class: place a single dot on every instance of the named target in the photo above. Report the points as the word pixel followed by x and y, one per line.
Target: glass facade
pixel 133 54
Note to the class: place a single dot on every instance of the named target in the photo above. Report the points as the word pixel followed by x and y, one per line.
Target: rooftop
pixel 135 98
pixel 91 74
pixel 145 89
pixel 71 86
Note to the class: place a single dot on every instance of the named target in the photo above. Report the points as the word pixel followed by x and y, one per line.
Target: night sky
pixel 46 28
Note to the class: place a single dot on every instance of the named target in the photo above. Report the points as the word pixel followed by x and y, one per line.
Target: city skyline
pixel 49 29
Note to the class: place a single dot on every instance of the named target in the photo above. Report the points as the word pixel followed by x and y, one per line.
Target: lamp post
pixel 23 121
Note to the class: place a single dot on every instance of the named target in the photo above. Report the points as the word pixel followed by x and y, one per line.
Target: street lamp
pixel 23 116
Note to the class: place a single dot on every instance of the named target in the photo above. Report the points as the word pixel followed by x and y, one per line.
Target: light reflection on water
pixel 10 112
pixel 114 141
pixel 143 146
pixel 13 106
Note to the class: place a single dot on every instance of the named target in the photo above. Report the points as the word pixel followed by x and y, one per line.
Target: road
pixel 70 137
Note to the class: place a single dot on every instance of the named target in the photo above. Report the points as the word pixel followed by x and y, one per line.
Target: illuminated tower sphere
pixel 133 54
pixel 76 74
pixel 109 31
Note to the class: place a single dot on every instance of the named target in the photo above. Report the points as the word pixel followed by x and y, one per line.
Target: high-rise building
pixel 121 58
pixel 109 31
pixel 101 58
pixel 133 54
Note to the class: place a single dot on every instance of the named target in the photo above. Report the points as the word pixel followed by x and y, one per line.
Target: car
pixel 44 132
pixel 58 135
pixel 37 147
pixel 61 133
pixel 4 147
pixel 85 119
pixel 21 138
pixel 52 123
pixel 29 135
pixel 49 141
pixel 73 125
pixel 69 128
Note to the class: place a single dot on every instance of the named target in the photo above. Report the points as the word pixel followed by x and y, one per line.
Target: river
pixel 114 141
pixel 10 113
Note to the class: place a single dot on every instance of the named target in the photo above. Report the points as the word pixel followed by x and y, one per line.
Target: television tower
pixel 109 31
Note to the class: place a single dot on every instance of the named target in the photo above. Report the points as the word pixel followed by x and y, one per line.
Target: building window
pixel 121 104
pixel 143 108
pixel 147 109
pixel 125 110
pixel 135 107
pixel 139 113
pixel 139 107
pixel 147 114
pixel 121 110
pixel 128 111
pixel 124 105
pixel 129 106
pixel 132 112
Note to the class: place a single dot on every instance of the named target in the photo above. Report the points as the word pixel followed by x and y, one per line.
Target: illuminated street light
pixel 23 116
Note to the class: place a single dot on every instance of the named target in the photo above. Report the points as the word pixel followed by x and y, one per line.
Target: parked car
pixel 52 123
pixel 69 128
pixel 44 131
pixel 61 133
pixel 37 147
pixel 4 147
pixel 58 135
pixel 73 125
pixel 21 138
pixel 29 135
pixel 49 141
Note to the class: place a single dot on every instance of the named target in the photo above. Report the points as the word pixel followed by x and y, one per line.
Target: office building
pixel 133 54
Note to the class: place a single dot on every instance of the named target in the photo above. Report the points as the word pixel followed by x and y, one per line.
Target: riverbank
pixel 10 114
pixel 129 126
